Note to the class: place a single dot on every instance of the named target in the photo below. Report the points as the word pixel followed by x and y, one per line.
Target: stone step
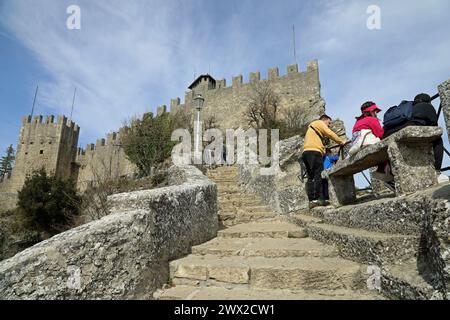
pixel 232 218
pixel 224 180
pixel 264 229
pixel 223 175
pixel 304 273
pixel 240 197
pixel 229 190
pixel 405 282
pixel 218 293
pixel 245 209
pixel 265 247
pixel 401 215
pixel 239 201
pixel 361 245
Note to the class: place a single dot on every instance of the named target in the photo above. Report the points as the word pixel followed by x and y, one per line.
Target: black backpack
pixel 396 116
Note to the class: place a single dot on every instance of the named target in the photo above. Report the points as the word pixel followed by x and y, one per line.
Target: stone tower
pixel 42 144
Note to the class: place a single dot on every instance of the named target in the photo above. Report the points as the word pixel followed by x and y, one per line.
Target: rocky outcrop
pixel 121 256
pixel 444 95
pixel 284 191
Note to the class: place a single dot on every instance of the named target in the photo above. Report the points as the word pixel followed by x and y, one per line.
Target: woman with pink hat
pixel 367 129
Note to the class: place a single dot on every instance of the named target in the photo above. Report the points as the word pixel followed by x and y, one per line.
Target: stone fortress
pixel 52 144
pixel 234 233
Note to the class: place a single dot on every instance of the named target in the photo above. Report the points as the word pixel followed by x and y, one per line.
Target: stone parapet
pixel 124 255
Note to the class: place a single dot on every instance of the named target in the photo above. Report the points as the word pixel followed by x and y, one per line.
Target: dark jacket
pixel 423 114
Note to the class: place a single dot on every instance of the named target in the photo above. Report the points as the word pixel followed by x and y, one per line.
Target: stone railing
pixel 124 255
pixel 410 152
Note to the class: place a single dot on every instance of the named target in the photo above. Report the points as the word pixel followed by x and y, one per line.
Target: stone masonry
pixel 104 160
pixel 257 255
pixel 300 90
pixel 123 255
pixel 43 143
pixel 54 145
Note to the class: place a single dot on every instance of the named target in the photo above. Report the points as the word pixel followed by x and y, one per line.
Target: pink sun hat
pixel 373 107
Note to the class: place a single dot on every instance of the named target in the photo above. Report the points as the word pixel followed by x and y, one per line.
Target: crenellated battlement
pixel 238 83
pixel 49 120
pixel 51 141
pixel 112 140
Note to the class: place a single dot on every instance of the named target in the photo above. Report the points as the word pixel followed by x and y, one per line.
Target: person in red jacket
pixel 368 120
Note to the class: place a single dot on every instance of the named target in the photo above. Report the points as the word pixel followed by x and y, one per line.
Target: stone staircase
pixel 257 255
pixel 399 276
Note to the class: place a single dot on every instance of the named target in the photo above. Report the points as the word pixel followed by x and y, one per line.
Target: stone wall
pixel 121 256
pixel 299 90
pixel 284 191
pixel 444 95
pixel 104 160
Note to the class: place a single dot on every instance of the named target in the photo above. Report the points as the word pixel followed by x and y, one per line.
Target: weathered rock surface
pixel 444 95
pixel 407 238
pixel 123 255
pixel 263 259
pixel 283 190
pixel 411 159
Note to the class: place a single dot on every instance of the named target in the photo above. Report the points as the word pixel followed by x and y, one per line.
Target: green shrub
pixel 47 205
pixel 147 142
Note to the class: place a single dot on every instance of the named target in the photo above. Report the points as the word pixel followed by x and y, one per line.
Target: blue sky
pixel 131 56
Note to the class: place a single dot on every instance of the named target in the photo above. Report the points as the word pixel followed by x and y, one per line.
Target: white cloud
pixel 130 56
pixel 127 58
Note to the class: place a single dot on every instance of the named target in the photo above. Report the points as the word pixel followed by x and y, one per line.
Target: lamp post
pixel 199 100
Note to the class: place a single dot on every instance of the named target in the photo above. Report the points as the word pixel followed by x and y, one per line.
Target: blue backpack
pixel 397 115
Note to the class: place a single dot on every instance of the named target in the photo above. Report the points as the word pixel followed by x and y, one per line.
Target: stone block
pixel 412 165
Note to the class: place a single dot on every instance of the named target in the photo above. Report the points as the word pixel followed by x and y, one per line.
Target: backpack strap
pixel 318 133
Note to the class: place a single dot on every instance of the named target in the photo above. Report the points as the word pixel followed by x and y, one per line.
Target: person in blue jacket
pixel 328 161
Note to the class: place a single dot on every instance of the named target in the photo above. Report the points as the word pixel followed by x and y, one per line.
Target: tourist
pixel 423 114
pixel 367 129
pixel 328 161
pixel 313 152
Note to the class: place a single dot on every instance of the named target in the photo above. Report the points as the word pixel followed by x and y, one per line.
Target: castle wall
pixel 43 143
pixel 104 160
pixel 228 104
pixel 53 144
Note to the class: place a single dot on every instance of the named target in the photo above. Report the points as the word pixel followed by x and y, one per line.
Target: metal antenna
pixel 73 103
pixel 32 113
pixel 34 101
pixel 293 35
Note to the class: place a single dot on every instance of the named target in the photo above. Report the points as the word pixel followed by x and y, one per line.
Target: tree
pixel 47 204
pixel 7 163
pixel 262 109
pixel 147 141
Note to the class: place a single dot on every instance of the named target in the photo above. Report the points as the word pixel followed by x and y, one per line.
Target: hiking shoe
pixel 324 203
pixel 313 204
